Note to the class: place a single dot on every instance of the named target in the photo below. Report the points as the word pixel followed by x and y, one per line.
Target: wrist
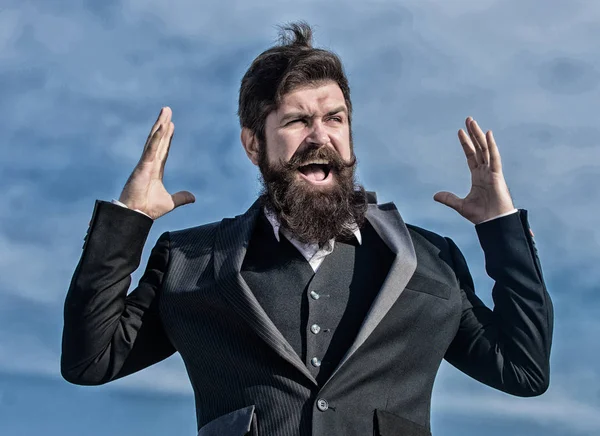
pixel 120 203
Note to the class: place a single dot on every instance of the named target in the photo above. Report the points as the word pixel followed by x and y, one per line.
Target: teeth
pixel 317 162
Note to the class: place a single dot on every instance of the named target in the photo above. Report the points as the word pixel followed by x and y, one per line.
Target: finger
pixel 152 145
pixel 154 149
pixel 183 197
pixel 468 148
pixel 449 199
pixel 495 160
pixel 166 146
pixel 478 151
pixel 481 140
pixel 163 117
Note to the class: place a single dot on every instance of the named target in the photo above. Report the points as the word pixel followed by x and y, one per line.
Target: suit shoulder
pixel 418 234
pixel 427 236
pixel 202 234
pixel 434 249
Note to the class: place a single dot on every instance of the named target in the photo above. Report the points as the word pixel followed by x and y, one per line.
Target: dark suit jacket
pixel 247 378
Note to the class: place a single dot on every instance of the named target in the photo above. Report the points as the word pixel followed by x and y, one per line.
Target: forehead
pixel 313 98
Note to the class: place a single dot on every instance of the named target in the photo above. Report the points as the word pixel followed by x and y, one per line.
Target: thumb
pixel 449 199
pixel 182 198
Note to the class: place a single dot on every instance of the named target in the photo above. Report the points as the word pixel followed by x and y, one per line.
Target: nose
pixel 318 136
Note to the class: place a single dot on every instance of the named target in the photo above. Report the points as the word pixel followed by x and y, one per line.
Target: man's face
pixel 307 165
pixel 308 130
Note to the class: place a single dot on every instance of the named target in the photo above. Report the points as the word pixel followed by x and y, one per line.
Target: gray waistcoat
pixel 318 313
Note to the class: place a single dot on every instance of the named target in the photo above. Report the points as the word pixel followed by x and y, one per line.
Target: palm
pixel 154 201
pixel 489 194
pixel 145 191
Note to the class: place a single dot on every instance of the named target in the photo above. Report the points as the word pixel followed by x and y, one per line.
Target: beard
pixel 312 213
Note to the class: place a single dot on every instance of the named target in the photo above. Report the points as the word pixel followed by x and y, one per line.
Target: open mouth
pixel 316 171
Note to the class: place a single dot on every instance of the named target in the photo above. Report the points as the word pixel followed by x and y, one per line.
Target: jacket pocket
pixel 240 422
pixel 427 285
pixel 388 424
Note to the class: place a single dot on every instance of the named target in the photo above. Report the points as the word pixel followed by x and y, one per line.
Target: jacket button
pixel 314 295
pixel 322 405
pixel 315 362
pixel 315 328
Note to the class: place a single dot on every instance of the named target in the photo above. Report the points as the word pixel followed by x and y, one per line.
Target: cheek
pixel 282 147
pixel 341 142
pixel 346 153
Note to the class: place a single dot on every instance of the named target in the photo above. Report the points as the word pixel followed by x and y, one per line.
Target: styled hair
pixel 292 64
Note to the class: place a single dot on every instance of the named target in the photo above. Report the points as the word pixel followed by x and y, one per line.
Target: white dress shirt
pixel 313 254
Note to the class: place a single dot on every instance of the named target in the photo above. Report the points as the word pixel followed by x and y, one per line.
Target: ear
pixel 251 145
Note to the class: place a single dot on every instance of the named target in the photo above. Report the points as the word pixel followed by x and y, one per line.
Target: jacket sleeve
pixel 507 348
pixel 108 334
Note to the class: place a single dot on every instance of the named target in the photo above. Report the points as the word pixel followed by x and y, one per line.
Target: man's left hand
pixel 489 196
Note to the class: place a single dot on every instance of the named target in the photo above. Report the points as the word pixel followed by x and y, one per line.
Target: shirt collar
pixel 272 218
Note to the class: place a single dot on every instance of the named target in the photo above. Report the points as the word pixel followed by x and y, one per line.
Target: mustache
pixel 303 157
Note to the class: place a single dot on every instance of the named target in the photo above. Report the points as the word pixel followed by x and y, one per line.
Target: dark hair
pixel 281 69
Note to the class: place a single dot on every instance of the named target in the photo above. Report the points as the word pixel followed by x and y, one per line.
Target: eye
pixel 297 120
pixel 336 119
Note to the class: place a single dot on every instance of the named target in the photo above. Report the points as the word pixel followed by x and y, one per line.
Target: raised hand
pixel 144 190
pixel 489 195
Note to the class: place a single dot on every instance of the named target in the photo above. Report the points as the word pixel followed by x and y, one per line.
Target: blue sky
pixel 82 82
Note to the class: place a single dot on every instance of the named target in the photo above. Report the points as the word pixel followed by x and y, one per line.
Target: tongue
pixel 314 172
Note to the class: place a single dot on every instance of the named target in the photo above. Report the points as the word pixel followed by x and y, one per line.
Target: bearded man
pixel 318 311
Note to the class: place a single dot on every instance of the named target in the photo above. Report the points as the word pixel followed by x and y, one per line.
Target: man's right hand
pixel 144 190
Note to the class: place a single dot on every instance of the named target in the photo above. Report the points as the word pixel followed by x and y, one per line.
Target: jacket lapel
pixel 388 223
pixel 231 243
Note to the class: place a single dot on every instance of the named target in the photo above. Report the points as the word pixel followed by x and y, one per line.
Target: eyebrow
pixel 337 110
pixel 301 115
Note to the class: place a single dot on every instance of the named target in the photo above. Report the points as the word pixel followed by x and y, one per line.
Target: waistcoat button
pixel 322 405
